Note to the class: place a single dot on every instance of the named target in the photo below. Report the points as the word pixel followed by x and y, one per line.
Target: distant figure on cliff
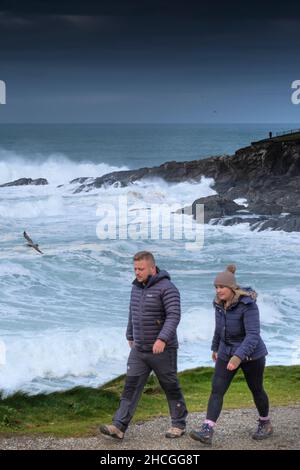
pixel 270 135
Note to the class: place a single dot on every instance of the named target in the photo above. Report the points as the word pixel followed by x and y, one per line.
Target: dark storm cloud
pixel 159 29
pixel 206 9
pixel 153 60
pixel 179 38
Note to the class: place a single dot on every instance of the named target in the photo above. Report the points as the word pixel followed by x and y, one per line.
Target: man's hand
pixel 214 356
pixel 130 343
pixel 158 346
pixel 234 363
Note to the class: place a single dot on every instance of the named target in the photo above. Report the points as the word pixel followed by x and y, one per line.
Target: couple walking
pixel 154 315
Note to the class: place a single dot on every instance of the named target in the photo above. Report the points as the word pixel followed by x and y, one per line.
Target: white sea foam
pixel 269 311
pixel 56 168
pixel 57 355
pixel 49 207
pixel 241 201
pixel 48 201
pixel 52 317
pixel 197 324
pixel 79 356
pixel 13 269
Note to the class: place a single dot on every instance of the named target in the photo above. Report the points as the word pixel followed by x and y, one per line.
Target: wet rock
pixel 25 182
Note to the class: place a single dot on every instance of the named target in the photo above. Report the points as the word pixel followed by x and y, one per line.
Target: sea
pixel 63 314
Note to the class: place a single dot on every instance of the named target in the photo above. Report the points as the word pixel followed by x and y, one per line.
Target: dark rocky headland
pixel 267 174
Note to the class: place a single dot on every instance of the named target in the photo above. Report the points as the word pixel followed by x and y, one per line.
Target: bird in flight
pixel 30 243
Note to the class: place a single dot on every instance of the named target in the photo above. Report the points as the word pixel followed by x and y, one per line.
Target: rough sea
pixel 63 315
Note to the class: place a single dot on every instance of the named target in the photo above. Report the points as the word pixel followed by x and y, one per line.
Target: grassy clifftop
pixel 78 412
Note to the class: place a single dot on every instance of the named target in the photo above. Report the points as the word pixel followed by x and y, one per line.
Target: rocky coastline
pixel 259 184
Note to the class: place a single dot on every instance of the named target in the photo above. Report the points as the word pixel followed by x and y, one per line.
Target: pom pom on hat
pixel 231 268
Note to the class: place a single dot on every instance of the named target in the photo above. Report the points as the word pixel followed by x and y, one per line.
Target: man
pixel 154 315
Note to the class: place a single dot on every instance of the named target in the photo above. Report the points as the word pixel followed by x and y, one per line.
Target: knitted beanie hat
pixel 227 278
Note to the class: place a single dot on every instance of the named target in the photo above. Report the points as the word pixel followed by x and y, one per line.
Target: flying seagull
pixel 31 244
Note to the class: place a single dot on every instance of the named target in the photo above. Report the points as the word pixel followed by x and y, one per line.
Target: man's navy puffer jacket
pixel 154 312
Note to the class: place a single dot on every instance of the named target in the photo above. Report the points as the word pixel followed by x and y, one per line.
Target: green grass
pixel 78 412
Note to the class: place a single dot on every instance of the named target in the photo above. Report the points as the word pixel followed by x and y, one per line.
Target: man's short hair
pixel 144 255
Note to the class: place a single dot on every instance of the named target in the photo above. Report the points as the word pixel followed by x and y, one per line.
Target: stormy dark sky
pixel 156 61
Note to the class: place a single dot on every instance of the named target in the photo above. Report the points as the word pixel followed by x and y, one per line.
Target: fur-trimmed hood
pixel 241 294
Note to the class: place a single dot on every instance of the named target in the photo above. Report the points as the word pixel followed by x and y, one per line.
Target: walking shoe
pixel 264 430
pixel 204 435
pixel 112 431
pixel 173 433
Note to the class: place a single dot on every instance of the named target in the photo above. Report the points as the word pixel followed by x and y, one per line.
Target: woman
pixel 236 344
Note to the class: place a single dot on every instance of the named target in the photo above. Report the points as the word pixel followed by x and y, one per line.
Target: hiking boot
pixel 112 431
pixel 174 432
pixel 204 435
pixel 264 430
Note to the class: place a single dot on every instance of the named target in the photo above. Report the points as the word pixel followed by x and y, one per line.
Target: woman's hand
pixel 234 363
pixel 214 356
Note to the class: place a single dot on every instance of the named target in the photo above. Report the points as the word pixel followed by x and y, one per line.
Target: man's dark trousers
pixel 139 366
